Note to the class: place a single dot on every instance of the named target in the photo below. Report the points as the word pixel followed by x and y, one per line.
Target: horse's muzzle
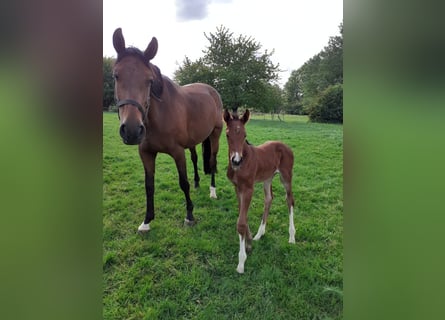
pixel 132 134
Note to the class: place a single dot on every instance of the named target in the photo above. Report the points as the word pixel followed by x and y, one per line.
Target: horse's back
pixel 203 93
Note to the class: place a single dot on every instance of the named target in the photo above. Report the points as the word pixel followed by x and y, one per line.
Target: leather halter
pixel 131 102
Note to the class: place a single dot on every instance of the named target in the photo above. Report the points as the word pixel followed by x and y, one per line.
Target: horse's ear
pixel 158 83
pixel 152 49
pixel 118 41
pixel 227 117
pixel 246 116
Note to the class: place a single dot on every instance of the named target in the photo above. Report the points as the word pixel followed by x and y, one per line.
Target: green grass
pixel 178 272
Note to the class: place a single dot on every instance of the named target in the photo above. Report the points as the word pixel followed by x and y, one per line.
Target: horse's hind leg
pixel 179 157
pixel 194 158
pixel 268 196
pixel 286 180
pixel 214 147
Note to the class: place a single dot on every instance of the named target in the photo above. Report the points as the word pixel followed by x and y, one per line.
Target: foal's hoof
pixel 189 223
pixel 143 228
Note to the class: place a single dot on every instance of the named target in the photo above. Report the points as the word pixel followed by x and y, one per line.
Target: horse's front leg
pixel 179 157
pixel 148 159
pixel 244 198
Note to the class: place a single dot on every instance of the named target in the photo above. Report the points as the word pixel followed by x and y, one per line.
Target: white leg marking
pixel 291 226
pixel 242 256
pixel 213 193
pixel 261 231
pixel 144 227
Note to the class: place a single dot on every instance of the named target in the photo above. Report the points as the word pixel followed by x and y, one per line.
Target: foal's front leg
pixel 268 196
pixel 245 237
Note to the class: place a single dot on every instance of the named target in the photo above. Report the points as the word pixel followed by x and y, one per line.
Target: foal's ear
pixel 246 116
pixel 118 41
pixel 227 117
pixel 152 49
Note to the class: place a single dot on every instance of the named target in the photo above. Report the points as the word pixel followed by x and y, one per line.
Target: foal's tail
pixel 206 151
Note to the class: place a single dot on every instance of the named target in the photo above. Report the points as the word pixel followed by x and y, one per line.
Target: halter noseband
pixel 121 103
pixel 124 102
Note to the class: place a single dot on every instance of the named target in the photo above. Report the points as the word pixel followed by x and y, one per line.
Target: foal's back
pixel 272 157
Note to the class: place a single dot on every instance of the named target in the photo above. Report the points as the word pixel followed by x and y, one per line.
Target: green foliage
pixel 306 85
pixel 237 68
pixel 293 94
pixel 108 91
pixel 329 107
pixel 178 272
pixel 193 71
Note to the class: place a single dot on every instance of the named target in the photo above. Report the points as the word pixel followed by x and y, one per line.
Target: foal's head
pixel 136 79
pixel 236 136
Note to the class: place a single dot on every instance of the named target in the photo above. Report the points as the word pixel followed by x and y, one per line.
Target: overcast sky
pixel 295 29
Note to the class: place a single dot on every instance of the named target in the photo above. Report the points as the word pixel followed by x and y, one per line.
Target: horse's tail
pixel 206 155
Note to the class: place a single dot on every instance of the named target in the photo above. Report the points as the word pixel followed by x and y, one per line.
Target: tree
pixel 306 86
pixel 190 72
pixel 108 91
pixel 329 106
pixel 293 94
pixel 236 67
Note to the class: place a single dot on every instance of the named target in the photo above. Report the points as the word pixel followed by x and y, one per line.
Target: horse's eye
pixel 115 76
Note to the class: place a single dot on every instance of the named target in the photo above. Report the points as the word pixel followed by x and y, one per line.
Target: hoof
pixel 189 223
pixel 143 228
pixel 240 270
pixel 213 193
pixel 291 240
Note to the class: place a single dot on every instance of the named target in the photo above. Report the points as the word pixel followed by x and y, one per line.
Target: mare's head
pixel 236 136
pixel 136 81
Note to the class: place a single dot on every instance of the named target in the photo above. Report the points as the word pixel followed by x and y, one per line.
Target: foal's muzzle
pixel 236 159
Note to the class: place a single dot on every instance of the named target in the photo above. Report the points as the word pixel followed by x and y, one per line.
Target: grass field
pixel 178 272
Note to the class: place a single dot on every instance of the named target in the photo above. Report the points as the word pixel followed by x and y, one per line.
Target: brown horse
pixel 161 116
pixel 249 164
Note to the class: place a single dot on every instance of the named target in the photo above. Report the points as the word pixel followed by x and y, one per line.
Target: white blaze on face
pixel 236 157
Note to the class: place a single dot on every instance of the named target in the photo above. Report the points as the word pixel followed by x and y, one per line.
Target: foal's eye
pixel 115 76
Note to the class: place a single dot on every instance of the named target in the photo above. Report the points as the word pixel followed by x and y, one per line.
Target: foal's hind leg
pixel 268 196
pixel 286 180
pixel 194 158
